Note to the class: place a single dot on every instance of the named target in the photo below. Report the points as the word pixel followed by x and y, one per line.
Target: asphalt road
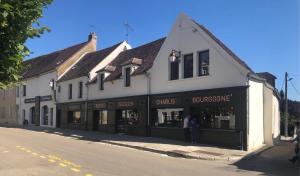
pixel 32 153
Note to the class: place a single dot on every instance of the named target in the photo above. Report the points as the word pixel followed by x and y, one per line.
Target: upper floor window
pixel 58 89
pixel 174 70
pixel 101 81
pixel 24 90
pixel 188 66
pixel 80 89
pixel 17 91
pixel 127 76
pixel 70 91
pixel 203 63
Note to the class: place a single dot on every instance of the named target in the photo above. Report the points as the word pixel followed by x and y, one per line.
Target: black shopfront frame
pixel 191 100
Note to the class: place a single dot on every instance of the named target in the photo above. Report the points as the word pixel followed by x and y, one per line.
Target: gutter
pixel 86 104
pixel 147 74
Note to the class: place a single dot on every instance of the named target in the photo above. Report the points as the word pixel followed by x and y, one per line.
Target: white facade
pixel 256 115
pixel 187 37
pixel 37 86
pixel 63 95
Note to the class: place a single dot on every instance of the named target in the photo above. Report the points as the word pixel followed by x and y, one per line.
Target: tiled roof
pixel 87 63
pixel 48 62
pixel 222 45
pixel 147 53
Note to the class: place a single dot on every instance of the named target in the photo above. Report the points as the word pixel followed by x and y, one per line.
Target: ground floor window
pixel 129 117
pixel 216 117
pixel 102 117
pixel 172 117
pixel 74 117
pixel 45 115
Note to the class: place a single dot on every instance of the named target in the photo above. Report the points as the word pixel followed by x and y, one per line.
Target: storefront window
pixel 217 117
pixel 102 117
pixel 74 117
pixel 130 117
pixel 169 117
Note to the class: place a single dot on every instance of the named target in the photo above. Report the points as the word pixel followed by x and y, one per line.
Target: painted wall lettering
pixel 166 101
pixel 100 105
pixel 126 104
pixel 211 99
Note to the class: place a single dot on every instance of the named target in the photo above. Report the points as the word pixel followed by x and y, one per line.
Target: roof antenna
pixel 93 28
pixel 128 29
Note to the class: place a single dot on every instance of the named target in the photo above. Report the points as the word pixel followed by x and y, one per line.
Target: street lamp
pixel 174 55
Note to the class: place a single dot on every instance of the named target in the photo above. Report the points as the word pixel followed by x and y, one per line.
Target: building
pixel 149 89
pixel 8 108
pixel 73 91
pixel 37 100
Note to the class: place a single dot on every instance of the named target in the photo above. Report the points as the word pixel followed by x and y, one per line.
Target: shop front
pixel 121 115
pixel 220 113
pixel 71 116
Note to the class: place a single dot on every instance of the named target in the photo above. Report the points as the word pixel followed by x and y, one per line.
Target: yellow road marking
pixel 62 165
pixel 6 151
pixel 41 156
pixel 23 148
pixel 88 175
pixel 51 160
pixel 35 154
pixel 28 151
pixel 18 146
pixel 75 170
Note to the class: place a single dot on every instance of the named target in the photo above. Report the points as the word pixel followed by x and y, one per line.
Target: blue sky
pixel 264 33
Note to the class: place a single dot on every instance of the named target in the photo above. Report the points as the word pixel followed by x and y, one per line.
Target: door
pixel 58 117
pixel 96 115
pixel 32 115
pixel 121 121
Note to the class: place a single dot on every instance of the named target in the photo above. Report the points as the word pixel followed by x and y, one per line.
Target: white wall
pixel 113 89
pixel 256 115
pixel 109 58
pixel 63 95
pixel 276 120
pixel 223 70
pixel 36 86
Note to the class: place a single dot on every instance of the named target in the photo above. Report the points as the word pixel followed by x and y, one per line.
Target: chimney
pixel 93 38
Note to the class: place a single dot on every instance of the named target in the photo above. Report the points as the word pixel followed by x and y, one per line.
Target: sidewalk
pixel 163 146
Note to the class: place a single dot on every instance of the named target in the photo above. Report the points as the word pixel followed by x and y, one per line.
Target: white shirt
pixel 186 122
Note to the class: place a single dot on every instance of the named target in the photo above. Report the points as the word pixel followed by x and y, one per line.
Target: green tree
pixel 18 22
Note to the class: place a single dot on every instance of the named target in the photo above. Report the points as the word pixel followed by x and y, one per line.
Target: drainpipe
pixel 147 74
pixel 86 103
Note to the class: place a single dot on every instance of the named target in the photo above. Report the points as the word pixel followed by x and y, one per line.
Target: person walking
pixel 186 128
pixel 194 129
pixel 296 157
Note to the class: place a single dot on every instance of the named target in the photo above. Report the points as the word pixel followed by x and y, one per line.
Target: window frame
pixel 80 89
pixel 101 81
pixel 185 57
pixel 199 66
pixel 170 72
pixel 24 90
pixel 127 76
pixel 70 91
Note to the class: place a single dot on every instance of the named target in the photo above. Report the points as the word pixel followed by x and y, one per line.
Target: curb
pixel 168 153
pixel 257 152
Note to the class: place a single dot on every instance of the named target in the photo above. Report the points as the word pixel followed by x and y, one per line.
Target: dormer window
pixel 127 76
pixel 129 67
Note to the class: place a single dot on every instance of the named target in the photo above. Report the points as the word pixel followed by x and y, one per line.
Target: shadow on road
pixel 273 161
